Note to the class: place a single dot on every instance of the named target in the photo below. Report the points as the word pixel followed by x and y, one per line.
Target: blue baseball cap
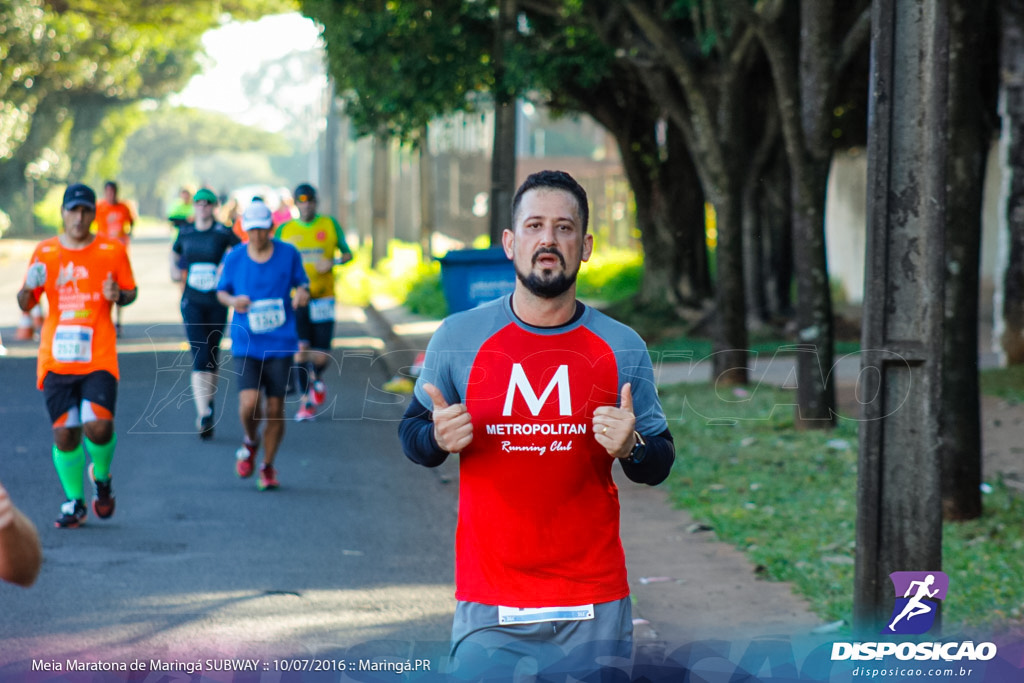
pixel 304 193
pixel 79 195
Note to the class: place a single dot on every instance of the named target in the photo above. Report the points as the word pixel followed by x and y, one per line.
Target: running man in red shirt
pixel 539 395
pixel 114 220
pixel 82 276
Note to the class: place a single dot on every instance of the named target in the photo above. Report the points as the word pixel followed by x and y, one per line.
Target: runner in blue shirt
pixel 264 283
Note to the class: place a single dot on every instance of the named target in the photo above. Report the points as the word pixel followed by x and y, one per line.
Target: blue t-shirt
pixel 267 329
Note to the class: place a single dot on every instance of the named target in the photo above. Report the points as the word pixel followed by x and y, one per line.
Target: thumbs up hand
pixel 111 291
pixel 613 426
pixel 453 425
pixel 36 276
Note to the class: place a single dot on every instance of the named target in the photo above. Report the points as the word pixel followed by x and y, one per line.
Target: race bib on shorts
pixel 534 615
pixel 266 315
pixel 202 277
pixel 321 310
pixel 72 344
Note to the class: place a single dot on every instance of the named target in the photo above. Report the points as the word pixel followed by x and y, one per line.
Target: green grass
pixel 395 276
pixel 780 495
pixel 787 499
pixel 1005 383
pixel 610 275
pixel 765 347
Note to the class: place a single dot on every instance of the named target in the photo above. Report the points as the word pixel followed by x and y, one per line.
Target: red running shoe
pixel 268 478
pixel 245 459
pixel 318 392
pixel 103 502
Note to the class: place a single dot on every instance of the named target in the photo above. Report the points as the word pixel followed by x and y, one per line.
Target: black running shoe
pixel 103 502
pixel 206 426
pixel 72 514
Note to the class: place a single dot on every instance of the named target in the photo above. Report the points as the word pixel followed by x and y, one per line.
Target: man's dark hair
pixel 110 183
pixel 553 180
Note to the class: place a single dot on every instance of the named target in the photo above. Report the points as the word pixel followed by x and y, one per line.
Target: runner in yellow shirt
pixel 321 242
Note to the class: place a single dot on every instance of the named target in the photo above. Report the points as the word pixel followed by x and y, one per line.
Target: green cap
pixel 205 195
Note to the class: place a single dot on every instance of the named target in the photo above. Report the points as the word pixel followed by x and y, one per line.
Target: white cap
pixel 257 215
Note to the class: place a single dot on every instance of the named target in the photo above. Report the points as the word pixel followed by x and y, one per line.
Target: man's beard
pixel 553 285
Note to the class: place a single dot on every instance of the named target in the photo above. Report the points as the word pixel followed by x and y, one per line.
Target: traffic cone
pixel 25 329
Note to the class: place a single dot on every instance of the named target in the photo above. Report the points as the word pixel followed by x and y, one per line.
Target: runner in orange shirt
pixel 114 220
pixel 82 275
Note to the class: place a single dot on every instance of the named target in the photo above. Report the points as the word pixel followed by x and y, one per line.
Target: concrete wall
pixel 846 221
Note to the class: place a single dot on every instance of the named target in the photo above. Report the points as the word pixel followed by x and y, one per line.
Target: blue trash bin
pixel 470 277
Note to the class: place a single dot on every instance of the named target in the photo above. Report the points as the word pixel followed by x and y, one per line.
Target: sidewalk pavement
pixel 687 586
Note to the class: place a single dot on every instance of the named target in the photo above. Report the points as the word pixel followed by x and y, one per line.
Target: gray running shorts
pixel 484 649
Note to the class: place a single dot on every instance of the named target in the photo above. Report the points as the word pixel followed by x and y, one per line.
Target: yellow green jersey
pixel 321 238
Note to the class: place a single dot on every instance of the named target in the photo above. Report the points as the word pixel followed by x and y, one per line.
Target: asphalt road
pixel 352 556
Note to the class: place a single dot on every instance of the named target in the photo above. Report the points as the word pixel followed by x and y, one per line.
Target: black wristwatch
pixel 639 452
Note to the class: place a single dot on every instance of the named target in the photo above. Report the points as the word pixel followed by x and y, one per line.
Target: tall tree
pixel 972 67
pixel 808 51
pixel 573 66
pixel 175 134
pixel 61 59
pixel 696 64
pixel 1010 311
pixel 400 64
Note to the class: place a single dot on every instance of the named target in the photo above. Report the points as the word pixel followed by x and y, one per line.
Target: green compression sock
pixel 70 468
pixel 101 457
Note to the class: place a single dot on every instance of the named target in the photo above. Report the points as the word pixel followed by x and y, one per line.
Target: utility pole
pixel 899 492
pixel 503 156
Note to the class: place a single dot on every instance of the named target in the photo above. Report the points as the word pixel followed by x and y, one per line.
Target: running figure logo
pixel 915 611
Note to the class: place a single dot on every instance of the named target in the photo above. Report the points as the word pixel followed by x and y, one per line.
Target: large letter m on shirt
pixel 518 381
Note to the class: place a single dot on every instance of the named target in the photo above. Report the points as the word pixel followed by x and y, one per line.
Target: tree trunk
pixel 670 213
pixel 676 252
pixel 503 156
pixel 755 236
pixel 968 142
pixel 669 200
pixel 88 110
pixel 426 168
pixel 816 396
pixel 729 343
pixel 380 196
pixel 1010 314
pixel 776 215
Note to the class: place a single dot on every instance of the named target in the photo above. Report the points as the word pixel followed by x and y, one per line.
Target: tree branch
pixel 654 29
pixel 855 38
pixel 784 74
pixel 540 8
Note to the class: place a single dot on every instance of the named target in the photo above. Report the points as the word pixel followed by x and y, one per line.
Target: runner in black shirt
pixel 198 252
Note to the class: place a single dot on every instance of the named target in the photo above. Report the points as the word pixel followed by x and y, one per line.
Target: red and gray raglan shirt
pixel 538 509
